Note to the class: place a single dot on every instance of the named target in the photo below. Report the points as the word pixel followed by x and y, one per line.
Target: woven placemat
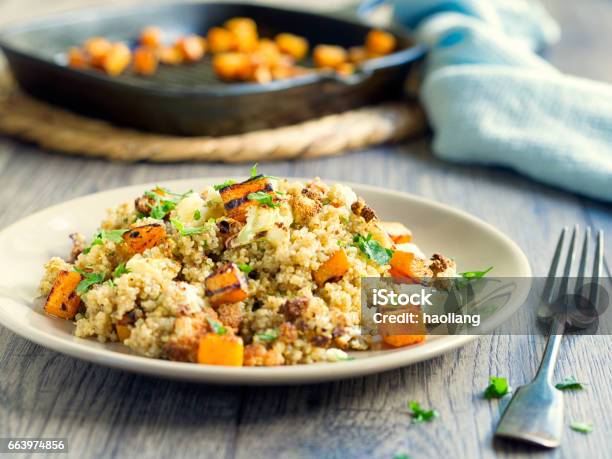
pixel 57 129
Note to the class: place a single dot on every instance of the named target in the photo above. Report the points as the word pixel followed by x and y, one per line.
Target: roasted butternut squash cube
pixel 220 40
pixel 406 266
pixel 403 340
pixel 144 237
pixel 123 332
pixel 97 48
pixel 398 233
pixel 151 36
pixel 333 269
pixel 170 55
pixel 227 350
pixel 117 59
pixel 357 54
pixel 294 45
pixel 192 47
pixel 380 43
pixel 63 301
pixel 233 66
pixel 236 197
pixel 77 59
pixel 328 56
pixel 401 264
pixel 226 285
pixel 346 69
pixel 245 34
pixel 145 60
pixel 267 54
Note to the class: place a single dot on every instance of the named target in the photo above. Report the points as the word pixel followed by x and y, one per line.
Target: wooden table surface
pixel 110 413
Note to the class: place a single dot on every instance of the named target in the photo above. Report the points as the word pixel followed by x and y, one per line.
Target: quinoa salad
pixel 258 273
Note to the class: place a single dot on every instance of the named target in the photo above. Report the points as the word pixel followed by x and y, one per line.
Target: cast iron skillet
pixel 189 100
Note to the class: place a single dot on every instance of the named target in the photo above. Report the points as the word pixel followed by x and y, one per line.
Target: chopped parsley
pixel 497 388
pixel 225 184
pixel 372 249
pixel 569 384
pixel 180 227
pixel 164 203
pixel 89 279
pixel 268 336
pixel 582 427
pixel 475 274
pixel 254 170
pixel 217 327
pixel 120 270
pixel 115 236
pixel 419 415
pixel 245 268
pixel 197 214
pixel 263 198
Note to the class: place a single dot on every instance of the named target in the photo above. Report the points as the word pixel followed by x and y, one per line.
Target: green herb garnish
pixel 582 427
pixel 254 170
pixel 115 236
pixel 475 274
pixel 163 204
pixel 245 268
pixel 268 336
pixel 225 184
pixel 372 249
pixel 419 415
pixel 180 227
pixel 263 198
pixel 217 327
pixel 89 279
pixel 120 270
pixel 497 388
pixel 569 384
pixel 197 214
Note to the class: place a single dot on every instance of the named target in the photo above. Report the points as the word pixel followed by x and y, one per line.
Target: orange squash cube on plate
pixel 226 285
pixel 144 237
pixel 227 350
pixel 97 48
pixel 63 300
pixel 398 233
pixel 236 197
pixel 245 34
pixel 333 269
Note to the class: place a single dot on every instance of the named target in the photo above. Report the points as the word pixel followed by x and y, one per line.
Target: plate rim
pixel 293 374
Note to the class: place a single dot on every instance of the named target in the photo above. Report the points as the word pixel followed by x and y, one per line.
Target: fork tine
pixel 585 251
pixel 597 268
pixel 567 271
pixel 550 280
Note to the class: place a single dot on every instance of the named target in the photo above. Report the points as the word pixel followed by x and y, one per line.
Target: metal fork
pixel 535 412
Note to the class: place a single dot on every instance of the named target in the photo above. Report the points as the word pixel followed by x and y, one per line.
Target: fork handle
pixel 549 359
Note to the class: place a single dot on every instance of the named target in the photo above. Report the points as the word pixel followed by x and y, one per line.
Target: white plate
pixel 26 245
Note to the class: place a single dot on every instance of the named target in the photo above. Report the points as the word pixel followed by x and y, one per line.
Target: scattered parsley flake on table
pixel 569 384
pixel 420 415
pixel 497 388
pixel 582 427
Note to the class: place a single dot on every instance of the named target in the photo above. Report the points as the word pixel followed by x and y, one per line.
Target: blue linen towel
pixel 492 100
